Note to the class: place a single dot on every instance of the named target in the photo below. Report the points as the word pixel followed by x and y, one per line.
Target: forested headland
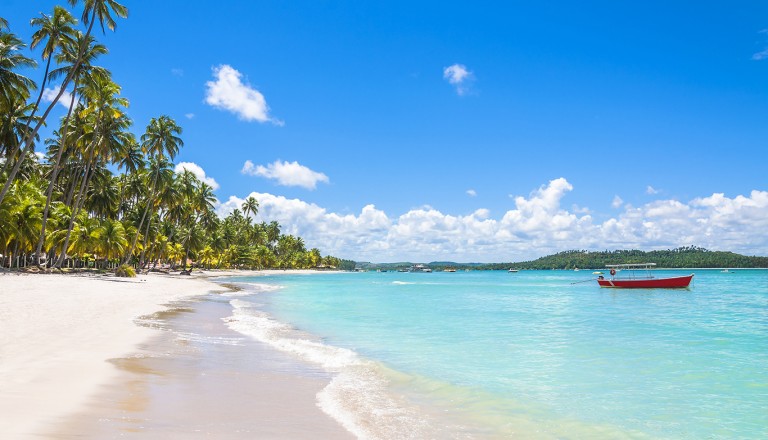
pixel 683 257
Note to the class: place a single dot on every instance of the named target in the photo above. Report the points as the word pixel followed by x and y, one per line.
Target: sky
pixel 457 131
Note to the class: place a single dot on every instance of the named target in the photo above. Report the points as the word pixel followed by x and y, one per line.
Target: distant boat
pixel 420 268
pixel 450 269
pixel 597 272
pixel 576 269
pixel 513 270
pixel 646 281
pixel 726 271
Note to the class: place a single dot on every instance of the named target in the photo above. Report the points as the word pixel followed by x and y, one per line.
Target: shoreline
pixel 60 335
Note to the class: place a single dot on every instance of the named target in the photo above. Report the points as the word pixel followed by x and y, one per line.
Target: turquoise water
pixel 528 354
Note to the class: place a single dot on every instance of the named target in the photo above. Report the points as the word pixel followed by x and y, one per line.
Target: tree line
pixel 683 257
pixel 66 207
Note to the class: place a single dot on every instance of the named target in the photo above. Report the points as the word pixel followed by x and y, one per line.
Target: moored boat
pixel 643 280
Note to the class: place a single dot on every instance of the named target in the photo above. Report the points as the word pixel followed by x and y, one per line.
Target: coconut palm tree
pixel 104 133
pixel 251 205
pixel 57 32
pixel 85 237
pixel 112 239
pixel 14 92
pixel 93 10
pixel 160 141
pixel 12 83
pixel 85 72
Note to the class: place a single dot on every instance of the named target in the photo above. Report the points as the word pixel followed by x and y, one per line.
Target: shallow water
pixel 530 354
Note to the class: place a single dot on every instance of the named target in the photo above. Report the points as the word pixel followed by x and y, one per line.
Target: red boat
pixel 642 281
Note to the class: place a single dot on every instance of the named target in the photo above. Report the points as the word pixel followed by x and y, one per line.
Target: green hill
pixel 684 257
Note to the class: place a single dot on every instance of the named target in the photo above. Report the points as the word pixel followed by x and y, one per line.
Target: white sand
pixel 57 333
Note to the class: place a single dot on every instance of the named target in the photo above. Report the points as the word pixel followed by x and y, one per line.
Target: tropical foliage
pixel 101 195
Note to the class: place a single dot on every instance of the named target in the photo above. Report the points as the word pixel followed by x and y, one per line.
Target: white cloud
pixel 40 156
pixel 229 93
pixel 651 190
pixel 458 76
pixel 471 192
pixel 763 54
pixel 189 115
pixel 617 202
pixel 49 94
pixel 537 225
pixel 198 171
pixel 286 173
pixel 177 72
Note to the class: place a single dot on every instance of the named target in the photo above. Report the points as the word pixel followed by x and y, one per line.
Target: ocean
pixel 532 355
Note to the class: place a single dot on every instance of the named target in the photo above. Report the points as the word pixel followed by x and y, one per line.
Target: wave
pixel 246 289
pixel 357 396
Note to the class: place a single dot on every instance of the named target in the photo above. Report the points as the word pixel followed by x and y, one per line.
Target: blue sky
pixel 427 131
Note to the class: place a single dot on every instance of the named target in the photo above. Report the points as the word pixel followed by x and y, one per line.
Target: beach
pixel 77 350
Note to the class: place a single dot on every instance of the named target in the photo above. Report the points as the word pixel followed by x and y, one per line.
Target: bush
pixel 126 271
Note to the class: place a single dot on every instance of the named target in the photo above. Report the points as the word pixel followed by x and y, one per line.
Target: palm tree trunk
pixel 141 223
pixel 78 204
pixel 55 173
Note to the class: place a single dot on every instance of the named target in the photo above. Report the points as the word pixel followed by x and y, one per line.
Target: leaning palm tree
pixel 93 10
pixel 85 72
pixel 57 32
pixel 105 133
pixel 14 91
pixel 13 83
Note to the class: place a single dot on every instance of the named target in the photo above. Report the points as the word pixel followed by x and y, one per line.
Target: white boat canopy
pixel 631 266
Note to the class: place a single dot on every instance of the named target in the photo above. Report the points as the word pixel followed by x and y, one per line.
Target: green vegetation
pixel 684 257
pixel 125 271
pixel 71 208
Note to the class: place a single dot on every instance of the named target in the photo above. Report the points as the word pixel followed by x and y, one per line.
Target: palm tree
pixel 251 205
pixel 112 238
pixel 93 9
pixel 104 134
pixel 15 115
pixel 85 237
pixel 68 55
pixel 12 83
pixel 57 31
pixel 14 91
pixel 159 141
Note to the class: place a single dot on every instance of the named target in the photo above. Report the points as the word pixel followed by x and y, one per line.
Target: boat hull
pixel 649 283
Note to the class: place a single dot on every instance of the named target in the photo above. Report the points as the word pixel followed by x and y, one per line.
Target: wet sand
pixel 76 363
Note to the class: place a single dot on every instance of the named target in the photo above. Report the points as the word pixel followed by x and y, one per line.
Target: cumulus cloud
pixel 189 115
pixel 617 202
pixel 471 192
pixel 536 225
pixel 651 190
pixel 460 77
pixel 286 173
pixel 50 93
pixel 228 92
pixel 198 171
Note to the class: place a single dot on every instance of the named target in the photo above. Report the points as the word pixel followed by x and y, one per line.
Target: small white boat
pixel 513 270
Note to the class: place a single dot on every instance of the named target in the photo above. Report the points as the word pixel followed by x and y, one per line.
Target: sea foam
pixel 357 396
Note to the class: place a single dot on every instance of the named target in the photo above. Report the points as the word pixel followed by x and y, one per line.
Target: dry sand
pixel 62 338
